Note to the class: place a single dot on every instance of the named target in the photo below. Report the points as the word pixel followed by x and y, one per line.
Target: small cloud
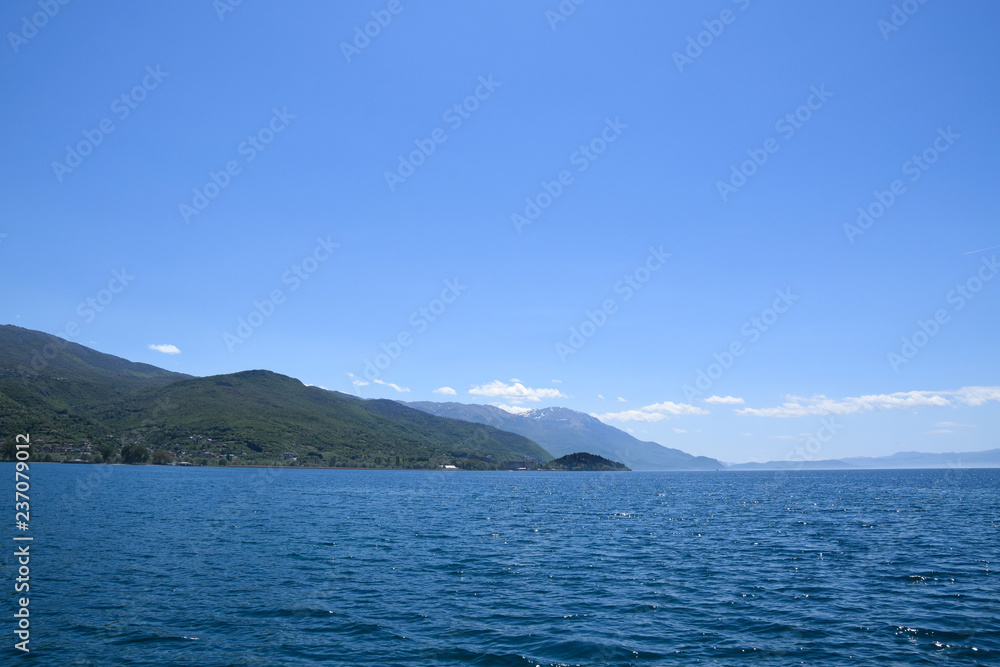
pixel 166 349
pixel 652 413
pixel 516 393
pixel 514 380
pixel 725 400
pixel 952 425
pixel 394 386
pixel 680 430
pixel 749 435
pixel 600 396
pixel 356 381
pixel 513 409
pixel 557 382
pixel 445 390
pixel 622 400
pixel 630 430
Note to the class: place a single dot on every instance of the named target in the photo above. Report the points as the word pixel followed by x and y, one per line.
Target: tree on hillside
pixel 108 452
pixel 134 454
pixel 8 452
pixel 162 457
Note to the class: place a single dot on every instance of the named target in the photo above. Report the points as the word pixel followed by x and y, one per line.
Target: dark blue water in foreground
pixel 174 566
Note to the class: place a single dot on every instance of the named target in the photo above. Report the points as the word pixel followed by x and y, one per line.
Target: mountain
pixel 57 387
pixel 900 460
pixel 562 431
pixel 64 394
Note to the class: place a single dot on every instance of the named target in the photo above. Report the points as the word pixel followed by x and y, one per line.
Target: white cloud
pixel 798 406
pixel 356 381
pixel 680 430
pixel 394 386
pixel 977 395
pixel 600 396
pixel 513 409
pixel 166 349
pixel 952 425
pixel 557 382
pixel 622 400
pixel 725 400
pixel 630 416
pixel 653 413
pixel 445 390
pixel 516 393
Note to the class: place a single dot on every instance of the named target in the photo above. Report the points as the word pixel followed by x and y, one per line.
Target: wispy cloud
pixel 356 381
pixel 515 393
pixel 952 425
pixel 445 390
pixel 680 430
pixel 652 413
pixel 392 385
pixel 622 400
pixel 972 252
pixel 166 349
pixel 725 400
pixel 798 406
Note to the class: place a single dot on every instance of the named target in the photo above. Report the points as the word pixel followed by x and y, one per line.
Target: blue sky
pixel 476 181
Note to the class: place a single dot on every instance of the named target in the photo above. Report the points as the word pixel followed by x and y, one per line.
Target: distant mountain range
pixel 562 431
pixel 73 399
pixel 987 459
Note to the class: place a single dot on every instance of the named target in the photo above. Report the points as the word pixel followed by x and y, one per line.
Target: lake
pixel 227 566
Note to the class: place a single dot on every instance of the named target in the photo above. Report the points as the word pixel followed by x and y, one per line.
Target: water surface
pixel 203 566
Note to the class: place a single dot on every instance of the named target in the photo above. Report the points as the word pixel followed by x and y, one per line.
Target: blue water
pixel 175 566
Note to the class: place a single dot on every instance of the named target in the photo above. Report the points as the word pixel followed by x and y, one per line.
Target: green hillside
pixel 584 461
pixel 74 400
pixel 55 389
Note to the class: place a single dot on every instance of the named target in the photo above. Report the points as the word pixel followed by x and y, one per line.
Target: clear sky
pixel 264 185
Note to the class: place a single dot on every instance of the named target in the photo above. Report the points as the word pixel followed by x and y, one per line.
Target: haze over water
pixel 151 566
